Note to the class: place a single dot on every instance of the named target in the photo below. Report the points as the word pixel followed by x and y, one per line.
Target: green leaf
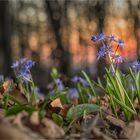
pixel 124 106
pixel 79 110
pixel 42 113
pixel 57 119
pixel 54 73
pixel 18 108
pixel 111 82
pixel 91 85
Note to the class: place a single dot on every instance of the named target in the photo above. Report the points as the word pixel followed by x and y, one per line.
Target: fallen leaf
pixel 7 84
pixel 14 93
pixel 93 100
pixel 50 130
pixel 92 127
pixel 116 121
pixel 17 120
pixel 5 87
pixel 132 131
pixel 19 96
pixel 104 101
pixel 9 131
pixel 34 118
pixel 64 111
pixel 1 91
pixel 2 113
pixel 136 103
pixel 78 111
pixel 56 103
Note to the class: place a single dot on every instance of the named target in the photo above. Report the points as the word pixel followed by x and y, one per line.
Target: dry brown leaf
pixel 18 96
pixel 1 92
pixel 132 132
pixel 96 132
pixel 136 103
pixel 2 113
pixel 7 84
pixel 9 131
pixel 17 120
pixel 116 121
pixel 1 96
pixel 50 130
pixel 64 111
pixel 16 93
pixel 100 135
pixel 93 100
pixel 34 118
pixel 104 101
pixel 56 103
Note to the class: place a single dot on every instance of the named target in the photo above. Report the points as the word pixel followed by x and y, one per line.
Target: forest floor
pixel 103 126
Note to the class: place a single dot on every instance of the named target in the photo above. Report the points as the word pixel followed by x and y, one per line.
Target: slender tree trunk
pixel 100 11
pixel 54 9
pixel 5 24
pixel 134 14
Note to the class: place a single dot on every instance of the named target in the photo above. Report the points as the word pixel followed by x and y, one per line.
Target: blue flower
pixel 104 50
pixel 117 58
pixel 24 71
pixel 73 93
pixel 136 65
pixel 77 79
pixel 15 65
pixel 29 64
pixel 50 86
pixel 112 38
pixel 23 60
pixel 101 53
pixel 26 77
pixel 23 65
pixel 57 81
pixel 59 84
pixel 120 43
pixel 38 93
pixel 18 63
pixel 131 86
pixel 99 37
pixel 1 77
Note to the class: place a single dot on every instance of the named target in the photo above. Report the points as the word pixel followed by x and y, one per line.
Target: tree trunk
pixel 5 30
pixel 54 11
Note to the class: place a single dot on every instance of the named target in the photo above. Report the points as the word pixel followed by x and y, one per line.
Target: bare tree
pixel 98 11
pixel 134 10
pixel 56 14
pixel 5 35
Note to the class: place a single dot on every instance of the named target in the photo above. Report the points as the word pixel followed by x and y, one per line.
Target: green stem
pixel 80 92
pixel 33 98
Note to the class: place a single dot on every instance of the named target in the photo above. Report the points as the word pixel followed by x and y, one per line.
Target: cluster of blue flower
pixel 73 92
pixel 22 68
pixel 136 66
pixel 106 50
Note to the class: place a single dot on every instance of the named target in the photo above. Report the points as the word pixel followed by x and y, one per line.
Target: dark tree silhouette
pixel 97 11
pixel 134 10
pixel 56 14
pixel 5 35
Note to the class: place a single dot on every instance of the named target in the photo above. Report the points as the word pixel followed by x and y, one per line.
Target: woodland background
pixel 58 33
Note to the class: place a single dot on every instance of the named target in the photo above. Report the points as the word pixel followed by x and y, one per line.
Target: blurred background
pixel 58 33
